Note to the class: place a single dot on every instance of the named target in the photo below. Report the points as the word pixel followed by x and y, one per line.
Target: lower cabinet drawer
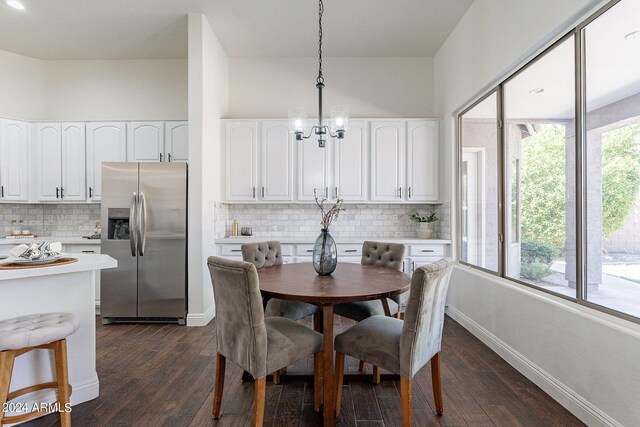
pixel 426 250
pixel 81 249
pixel 349 250
pixel 305 250
pixel 231 250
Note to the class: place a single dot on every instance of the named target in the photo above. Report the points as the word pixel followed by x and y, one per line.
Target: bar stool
pixel 36 331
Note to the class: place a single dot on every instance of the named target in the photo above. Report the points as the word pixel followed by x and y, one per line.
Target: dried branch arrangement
pixel 328 215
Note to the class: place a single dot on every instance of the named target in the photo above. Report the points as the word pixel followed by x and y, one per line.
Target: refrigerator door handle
pixel 142 224
pixel 132 223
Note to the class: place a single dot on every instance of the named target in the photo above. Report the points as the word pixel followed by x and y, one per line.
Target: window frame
pixel 504 206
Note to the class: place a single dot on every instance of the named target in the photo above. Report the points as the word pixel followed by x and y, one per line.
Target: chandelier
pixel 339 113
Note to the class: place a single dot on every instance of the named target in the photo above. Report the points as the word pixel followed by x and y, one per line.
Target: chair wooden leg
pixel 276 377
pixel 405 396
pixel 317 381
pixel 283 371
pixel 399 315
pixel 339 378
pixel 376 374
pixel 437 384
pixel 62 378
pixel 219 387
pixel 362 366
pixel 258 401
pixel 6 369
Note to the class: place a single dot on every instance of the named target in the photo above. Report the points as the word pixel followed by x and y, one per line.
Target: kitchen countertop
pixel 86 262
pixel 339 240
pixel 63 240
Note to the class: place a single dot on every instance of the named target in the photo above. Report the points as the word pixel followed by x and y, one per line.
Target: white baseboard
pixel 81 393
pixel 201 319
pixel 572 401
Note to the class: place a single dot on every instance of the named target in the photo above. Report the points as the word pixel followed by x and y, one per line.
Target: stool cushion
pixel 36 329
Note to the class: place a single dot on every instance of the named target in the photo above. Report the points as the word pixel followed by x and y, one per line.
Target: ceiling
pixel 143 29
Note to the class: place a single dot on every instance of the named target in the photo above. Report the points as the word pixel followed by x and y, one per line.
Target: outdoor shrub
pixel 531 251
pixel 535 271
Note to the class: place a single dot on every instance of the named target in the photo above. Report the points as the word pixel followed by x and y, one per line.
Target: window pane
pixel 479 185
pixel 539 110
pixel 613 159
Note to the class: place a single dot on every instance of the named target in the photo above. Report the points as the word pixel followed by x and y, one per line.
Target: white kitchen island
pixel 67 288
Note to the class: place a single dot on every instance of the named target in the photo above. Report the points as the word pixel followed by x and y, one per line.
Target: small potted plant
pixel 425 224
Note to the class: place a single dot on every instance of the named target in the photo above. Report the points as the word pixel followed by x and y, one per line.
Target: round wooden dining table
pixel 348 283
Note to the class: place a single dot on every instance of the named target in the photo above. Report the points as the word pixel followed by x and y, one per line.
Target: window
pixel 479 184
pixel 552 168
pixel 539 117
pixel 612 169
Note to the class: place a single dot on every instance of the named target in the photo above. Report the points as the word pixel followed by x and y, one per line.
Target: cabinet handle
pixel 62 192
pixel 413 266
pixel 254 192
pixel 351 250
pixel 409 192
pixel 1 190
pixel 428 250
pixel 90 193
pixel 309 250
pixel 263 192
pixel 88 252
pixel 337 192
pixel 57 193
pixel 169 156
pixel 160 156
pixel 236 250
pixel 400 189
pixel 326 192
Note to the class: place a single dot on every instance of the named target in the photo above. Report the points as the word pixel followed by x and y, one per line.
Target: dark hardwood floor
pixel 163 375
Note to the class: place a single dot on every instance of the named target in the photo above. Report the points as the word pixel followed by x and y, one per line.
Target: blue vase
pixel 325 254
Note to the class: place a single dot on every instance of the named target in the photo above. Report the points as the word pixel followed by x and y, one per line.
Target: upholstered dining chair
pixel 403 347
pixel 269 254
pixel 389 255
pixel 257 344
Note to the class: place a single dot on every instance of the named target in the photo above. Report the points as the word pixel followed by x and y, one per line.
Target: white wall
pixel 208 101
pixel 586 360
pixel 21 87
pixel 149 89
pixel 370 87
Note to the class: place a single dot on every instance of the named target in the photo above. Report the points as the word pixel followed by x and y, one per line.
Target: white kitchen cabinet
pixel 176 141
pixel 350 163
pixel 60 162
pixel 387 160
pixel 145 142
pixel 48 154
pixel 241 160
pixel 106 142
pixel 422 160
pixel 313 169
pixel 14 161
pixel 276 146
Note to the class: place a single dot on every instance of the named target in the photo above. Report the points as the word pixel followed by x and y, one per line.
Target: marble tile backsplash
pixel 68 220
pixel 302 221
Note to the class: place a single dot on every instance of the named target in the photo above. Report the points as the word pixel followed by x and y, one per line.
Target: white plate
pixel 22 261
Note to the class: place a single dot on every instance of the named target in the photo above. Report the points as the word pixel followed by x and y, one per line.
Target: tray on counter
pixel 58 261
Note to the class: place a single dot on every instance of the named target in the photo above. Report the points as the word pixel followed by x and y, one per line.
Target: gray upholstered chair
pixel 245 337
pixel 403 347
pixel 390 255
pixel 269 254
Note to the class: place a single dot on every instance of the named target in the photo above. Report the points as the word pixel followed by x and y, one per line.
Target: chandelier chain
pixel 320 78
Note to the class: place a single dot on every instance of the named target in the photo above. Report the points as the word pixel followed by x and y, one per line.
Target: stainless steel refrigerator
pixel 144 227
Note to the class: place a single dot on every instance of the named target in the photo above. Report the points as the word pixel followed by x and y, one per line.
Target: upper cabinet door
pixel 48 143
pixel 241 164
pixel 387 159
pixel 422 160
pixel 350 170
pixel 73 162
pixel 145 142
pixel 176 143
pixel 14 161
pixel 313 167
pixel 106 142
pixel 277 161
